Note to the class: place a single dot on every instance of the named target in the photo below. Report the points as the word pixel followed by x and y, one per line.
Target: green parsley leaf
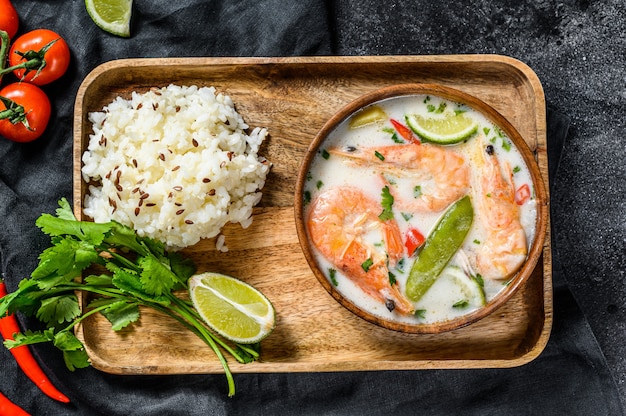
pixel 29 337
pixel 417 191
pixel 121 314
pixel 59 309
pixel 387 204
pixel 463 303
pixel 396 138
pixel 74 353
pixel 392 279
pixel 156 278
pixel 65 260
pixel 332 274
pixel 128 282
pixel 367 264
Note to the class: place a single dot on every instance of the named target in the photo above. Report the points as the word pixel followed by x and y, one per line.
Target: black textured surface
pixel 578 51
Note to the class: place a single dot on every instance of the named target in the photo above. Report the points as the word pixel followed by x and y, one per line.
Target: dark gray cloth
pixel 569 377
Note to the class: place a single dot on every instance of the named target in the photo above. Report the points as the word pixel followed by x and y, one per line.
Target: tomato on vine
pixel 39 57
pixel 9 20
pixel 24 112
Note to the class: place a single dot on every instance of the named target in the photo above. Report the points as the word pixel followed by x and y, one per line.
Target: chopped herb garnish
pixel 427 99
pixel 420 313
pixel 417 191
pixel 332 275
pixel 367 264
pixel 309 176
pixel 463 303
pixel 441 108
pixel 387 204
pixel 325 154
pixel 400 265
pixel 431 108
pixel 516 169
pixel 319 184
pixel 392 279
pixel 478 277
pixel 407 216
pixel 378 155
pixel 476 241
pixel 506 145
pixel 397 138
pixel 486 130
pixel 307 197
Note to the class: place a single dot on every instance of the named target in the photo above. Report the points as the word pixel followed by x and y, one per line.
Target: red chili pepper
pixel 25 359
pixel 414 239
pixel 404 131
pixel 522 194
pixel 8 408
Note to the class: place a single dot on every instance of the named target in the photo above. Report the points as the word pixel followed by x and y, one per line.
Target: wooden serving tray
pixel 293 98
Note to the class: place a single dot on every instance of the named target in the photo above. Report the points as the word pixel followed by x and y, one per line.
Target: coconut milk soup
pixel 366 166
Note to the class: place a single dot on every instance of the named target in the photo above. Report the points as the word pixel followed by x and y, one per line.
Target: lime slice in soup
pixel 449 129
pixel 366 116
pixel 471 288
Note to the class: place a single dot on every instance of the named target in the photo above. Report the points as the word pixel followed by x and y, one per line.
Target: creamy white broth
pixel 330 170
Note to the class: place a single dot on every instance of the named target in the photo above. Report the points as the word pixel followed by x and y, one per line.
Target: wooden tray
pixel 293 97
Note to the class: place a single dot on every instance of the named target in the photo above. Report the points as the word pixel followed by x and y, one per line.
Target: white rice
pixel 175 164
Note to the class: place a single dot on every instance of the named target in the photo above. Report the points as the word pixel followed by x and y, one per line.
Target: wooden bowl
pixel 454 95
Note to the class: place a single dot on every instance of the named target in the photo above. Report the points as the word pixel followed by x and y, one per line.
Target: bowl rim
pixel 451 94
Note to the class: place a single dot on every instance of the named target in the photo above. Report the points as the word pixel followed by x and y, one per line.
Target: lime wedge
pixel 112 16
pixel 366 116
pixel 469 286
pixel 232 308
pixel 449 129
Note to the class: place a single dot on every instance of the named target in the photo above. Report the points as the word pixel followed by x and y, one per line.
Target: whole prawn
pixel 504 248
pixel 443 175
pixel 339 221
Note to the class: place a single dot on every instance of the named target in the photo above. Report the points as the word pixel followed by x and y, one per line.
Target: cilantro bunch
pixel 132 272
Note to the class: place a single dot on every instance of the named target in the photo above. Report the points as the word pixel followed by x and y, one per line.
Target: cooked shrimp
pixel 341 222
pixel 442 174
pixel 504 248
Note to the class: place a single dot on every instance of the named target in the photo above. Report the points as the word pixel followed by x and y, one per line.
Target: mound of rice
pixel 175 164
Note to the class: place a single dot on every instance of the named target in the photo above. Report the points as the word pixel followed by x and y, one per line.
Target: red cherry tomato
pixel 24 111
pixel 32 45
pixel 414 239
pixel 9 20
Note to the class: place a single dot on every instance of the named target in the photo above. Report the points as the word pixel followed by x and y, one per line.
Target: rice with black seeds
pixel 176 164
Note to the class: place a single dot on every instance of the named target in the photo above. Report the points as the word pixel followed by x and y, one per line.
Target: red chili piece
pixel 7 407
pixel 404 131
pixel 522 194
pixel 25 359
pixel 414 240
